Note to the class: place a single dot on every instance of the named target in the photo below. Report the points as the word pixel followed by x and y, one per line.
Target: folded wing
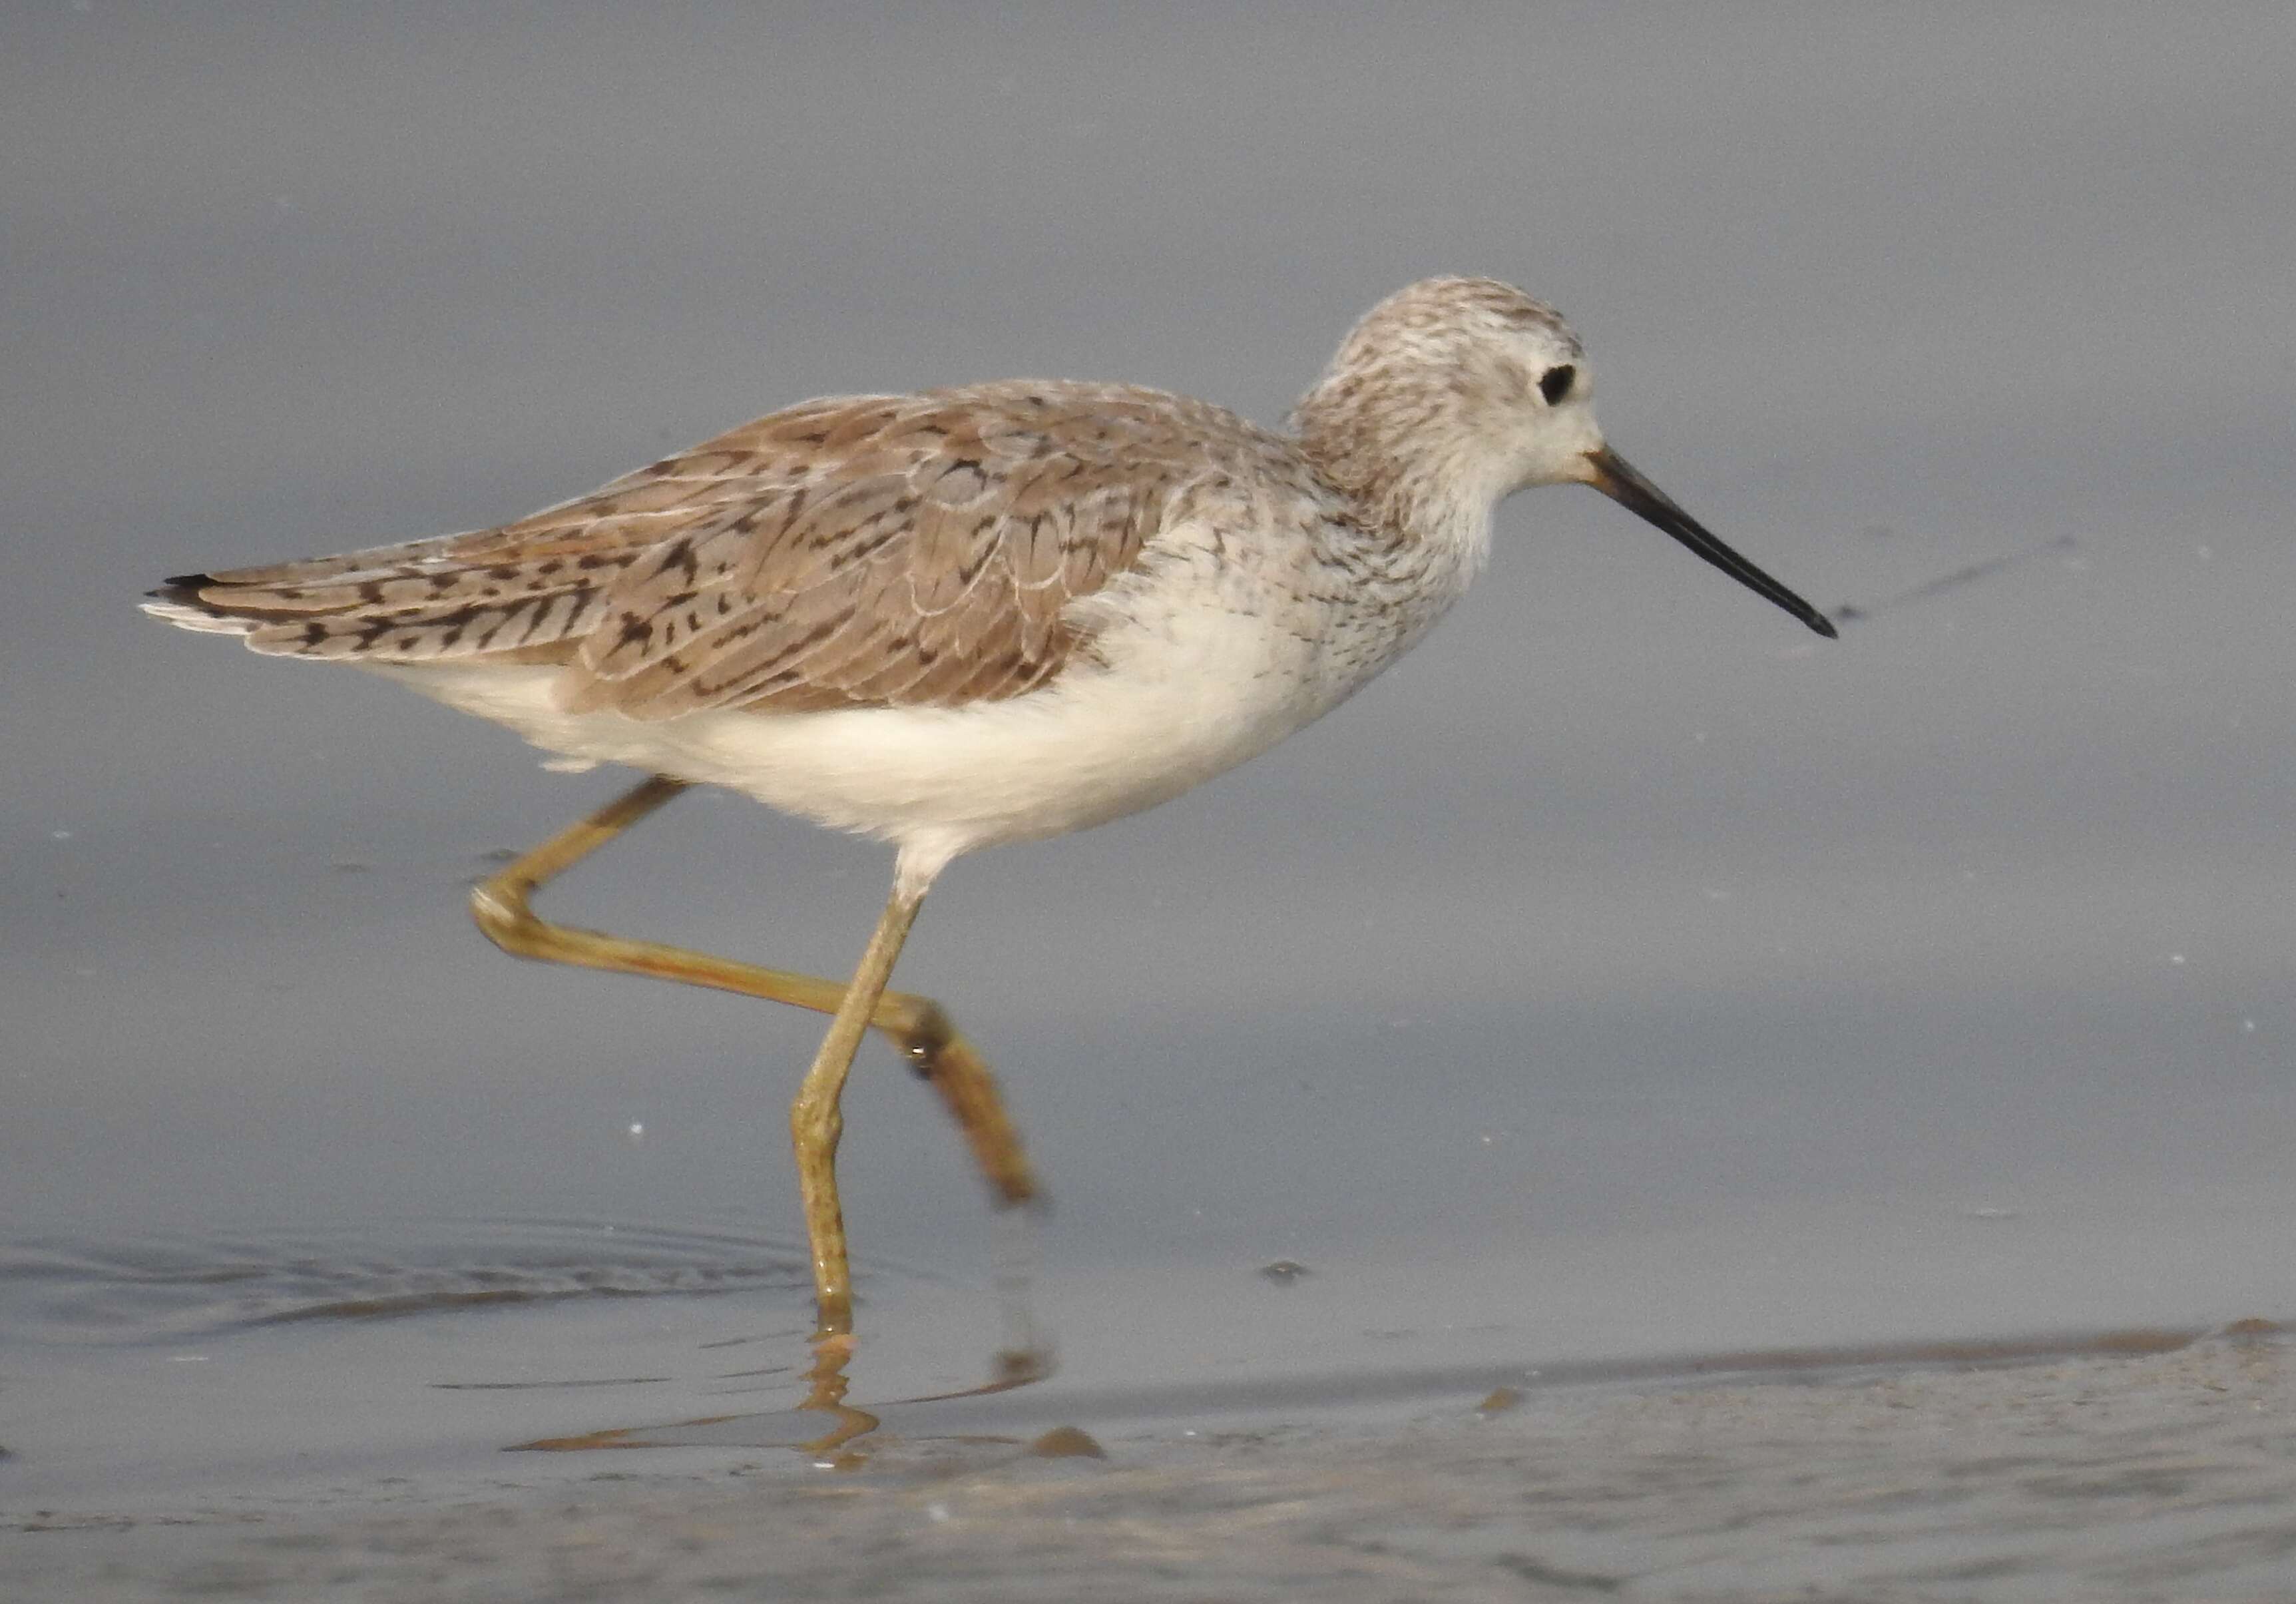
pixel 861 551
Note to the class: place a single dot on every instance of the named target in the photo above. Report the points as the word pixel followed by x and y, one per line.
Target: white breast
pixel 1196 668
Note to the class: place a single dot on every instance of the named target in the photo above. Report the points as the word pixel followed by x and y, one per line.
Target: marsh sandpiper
pixel 965 616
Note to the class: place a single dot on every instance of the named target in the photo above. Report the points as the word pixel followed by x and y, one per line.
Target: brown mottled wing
pixel 918 550
pixel 857 551
pixel 526 591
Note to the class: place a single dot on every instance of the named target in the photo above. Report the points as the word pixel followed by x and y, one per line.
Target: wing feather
pixel 849 552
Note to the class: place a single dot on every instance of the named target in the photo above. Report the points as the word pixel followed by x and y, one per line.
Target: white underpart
pixel 1197 671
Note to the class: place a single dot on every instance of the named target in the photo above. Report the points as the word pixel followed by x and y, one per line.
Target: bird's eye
pixel 1555 384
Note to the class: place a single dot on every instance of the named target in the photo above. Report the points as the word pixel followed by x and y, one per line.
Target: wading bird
pixel 964 617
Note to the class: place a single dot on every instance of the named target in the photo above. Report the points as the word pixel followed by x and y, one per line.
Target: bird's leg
pixel 917 1027
pixel 816 1123
pixel 921 1032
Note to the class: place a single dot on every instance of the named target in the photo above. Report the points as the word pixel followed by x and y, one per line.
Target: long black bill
pixel 1617 478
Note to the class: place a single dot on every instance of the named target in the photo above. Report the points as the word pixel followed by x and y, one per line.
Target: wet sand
pixel 2141 1468
pixel 1614 980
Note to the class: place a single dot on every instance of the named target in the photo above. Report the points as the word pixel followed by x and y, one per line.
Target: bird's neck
pixel 1408 471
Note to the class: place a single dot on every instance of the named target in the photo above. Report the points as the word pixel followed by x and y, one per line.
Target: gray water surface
pixel 1627 973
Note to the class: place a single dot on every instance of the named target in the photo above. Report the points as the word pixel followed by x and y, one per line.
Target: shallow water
pixel 552 1419
pixel 1621 983
pixel 184 1377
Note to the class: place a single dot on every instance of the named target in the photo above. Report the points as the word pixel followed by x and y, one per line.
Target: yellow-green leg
pixel 816 1123
pixel 916 1026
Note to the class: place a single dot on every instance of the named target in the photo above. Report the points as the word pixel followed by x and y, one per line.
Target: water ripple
pixel 168 1288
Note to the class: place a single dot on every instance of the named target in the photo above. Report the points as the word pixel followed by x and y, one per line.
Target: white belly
pixel 1184 695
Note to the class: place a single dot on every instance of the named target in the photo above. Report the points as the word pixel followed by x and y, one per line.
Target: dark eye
pixel 1555 384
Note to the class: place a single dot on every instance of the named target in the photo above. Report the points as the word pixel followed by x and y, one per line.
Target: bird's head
pixel 1454 393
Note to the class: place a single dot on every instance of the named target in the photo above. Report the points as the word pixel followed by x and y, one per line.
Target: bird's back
pixel 869 551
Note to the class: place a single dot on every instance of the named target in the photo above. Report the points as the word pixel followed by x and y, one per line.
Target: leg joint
pixel 920 1030
pixel 503 915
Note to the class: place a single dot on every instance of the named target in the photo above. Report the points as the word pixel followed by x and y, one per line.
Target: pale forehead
pixel 1482 305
